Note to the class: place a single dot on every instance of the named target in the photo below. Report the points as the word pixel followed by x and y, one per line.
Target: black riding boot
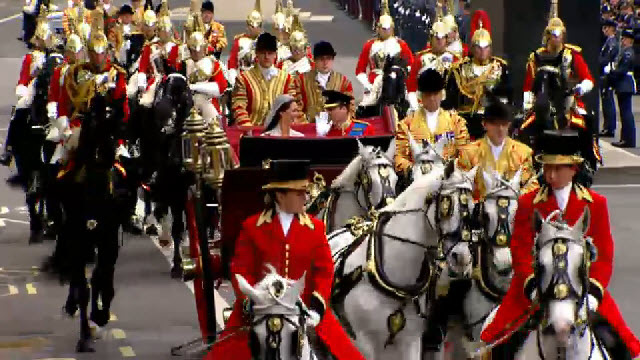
pixel 436 331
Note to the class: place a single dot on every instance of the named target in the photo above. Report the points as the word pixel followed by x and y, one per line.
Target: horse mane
pixel 348 175
pixel 414 196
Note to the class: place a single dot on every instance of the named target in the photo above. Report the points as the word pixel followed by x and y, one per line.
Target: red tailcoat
pixel 366 61
pixel 304 250
pixel 515 303
pixel 357 128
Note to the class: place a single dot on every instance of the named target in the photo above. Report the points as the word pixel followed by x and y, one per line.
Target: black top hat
pixel 609 22
pixel 125 9
pixel 288 175
pixel 498 111
pixel 430 81
pixel 207 6
pixel 323 48
pixel 628 33
pixel 335 98
pixel 560 147
pixel 266 42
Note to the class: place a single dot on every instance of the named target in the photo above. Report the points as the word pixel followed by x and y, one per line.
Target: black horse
pixel 170 182
pixel 553 93
pixel 392 92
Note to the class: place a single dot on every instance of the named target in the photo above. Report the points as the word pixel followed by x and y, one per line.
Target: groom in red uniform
pixel 284 236
pixel 560 165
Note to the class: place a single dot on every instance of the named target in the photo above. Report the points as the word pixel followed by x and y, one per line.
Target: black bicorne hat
pixel 560 147
pixel 288 174
pixel 266 42
pixel 430 81
pixel 323 48
pixel 335 98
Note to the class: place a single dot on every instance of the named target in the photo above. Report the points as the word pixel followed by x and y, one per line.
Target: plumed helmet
pixel 439 29
pixel 385 21
pixel 481 29
pixel 298 38
pixel 254 18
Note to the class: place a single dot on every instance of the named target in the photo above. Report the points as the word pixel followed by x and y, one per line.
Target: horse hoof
pixel 176 272
pixel 69 310
pixel 100 317
pixel 83 346
pixel 152 230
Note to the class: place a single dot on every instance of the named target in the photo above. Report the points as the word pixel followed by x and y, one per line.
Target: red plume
pixel 480 16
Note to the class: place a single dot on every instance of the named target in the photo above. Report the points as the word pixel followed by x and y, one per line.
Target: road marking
pixel 616 186
pixel 321 18
pixel 9 18
pixel 13 290
pixel 57 359
pixel 2 223
pixel 127 351
pixel 118 334
pixel 2 220
pixel 4 210
pixel 31 289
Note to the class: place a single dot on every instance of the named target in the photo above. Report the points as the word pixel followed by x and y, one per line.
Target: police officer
pixel 620 76
pixel 608 55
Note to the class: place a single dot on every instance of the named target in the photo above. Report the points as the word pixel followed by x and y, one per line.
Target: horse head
pixel 497 212
pixel 562 256
pixel 278 319
pixel 173 101
pixel 552 93
pixel 451 211
pixel 426 156
pixel 370 176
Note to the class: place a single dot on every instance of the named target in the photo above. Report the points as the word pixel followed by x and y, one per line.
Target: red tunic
pixel 280 63
pixel 357 128
pixel 303 250
pixel 218 78
pixel 515 302
pixel 365 60
pixel 25 70
pixel 57 90
pixel 233 54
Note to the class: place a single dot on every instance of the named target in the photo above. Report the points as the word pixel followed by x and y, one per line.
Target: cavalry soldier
pixel 245 43
pixel 436 56
pixel 96 92
pixel 337 121
pixel 473 76
pixel 376 50
pixel 301 60
pixel 298 247
pixel 170 49
pixel 148 74
pixel 430 122
pixel 454 45
pixel 256 88
pixel 72 15
pixel 572 66
pixel 214 31
pixel 314 82
pixel 43 42
pixel 560 164
pixel 204 74
pixel 620 75
pixel 496 151
pixel 282 27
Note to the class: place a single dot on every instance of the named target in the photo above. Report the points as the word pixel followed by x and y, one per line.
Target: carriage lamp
pixel 218 157
pixel 194 126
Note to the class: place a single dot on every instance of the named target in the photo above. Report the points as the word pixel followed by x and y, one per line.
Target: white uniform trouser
pixel 148 95
pixel 203 103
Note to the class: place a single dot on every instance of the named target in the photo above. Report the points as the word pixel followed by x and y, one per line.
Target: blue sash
pixel 358 129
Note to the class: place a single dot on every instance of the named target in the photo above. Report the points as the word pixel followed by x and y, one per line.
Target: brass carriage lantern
pixel 218 156
pixel 194 127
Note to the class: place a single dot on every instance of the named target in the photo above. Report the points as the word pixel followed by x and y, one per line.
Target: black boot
pixel 6 157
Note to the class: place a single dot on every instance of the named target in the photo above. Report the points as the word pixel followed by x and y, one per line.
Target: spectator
pixel 465 22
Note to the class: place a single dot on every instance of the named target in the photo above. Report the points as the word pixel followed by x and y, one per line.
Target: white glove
pixel 412 97
pixel 323 125
pixel 584 87
pixel 313 318
pixel 52 110
pixel 122 151
pixel 21 91
pixel 592 302
pixel 447 58
pixel 607 69
pixel 205 87
pixel 62 123
pixel 364 80
pixel 142 81
pixel 102 78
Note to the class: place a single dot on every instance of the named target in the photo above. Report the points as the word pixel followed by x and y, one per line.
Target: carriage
pixel 222 199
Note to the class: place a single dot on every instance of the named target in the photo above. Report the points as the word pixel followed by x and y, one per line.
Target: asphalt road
pixel 153 312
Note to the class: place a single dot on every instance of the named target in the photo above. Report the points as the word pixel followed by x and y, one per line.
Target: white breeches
pixel 203 103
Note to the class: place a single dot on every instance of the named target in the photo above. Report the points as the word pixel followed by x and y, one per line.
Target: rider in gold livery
pixel 474 75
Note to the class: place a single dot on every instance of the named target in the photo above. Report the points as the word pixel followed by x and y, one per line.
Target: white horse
pixel 385 276
pixel 278 317
pixel 562 257
pixel 492 269
pixel 367 183
pixel 426 156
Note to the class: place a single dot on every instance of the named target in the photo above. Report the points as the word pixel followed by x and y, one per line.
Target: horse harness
pixel 274 323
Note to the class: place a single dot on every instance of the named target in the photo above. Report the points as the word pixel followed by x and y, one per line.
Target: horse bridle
pixel 364 182
pixel 274 323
